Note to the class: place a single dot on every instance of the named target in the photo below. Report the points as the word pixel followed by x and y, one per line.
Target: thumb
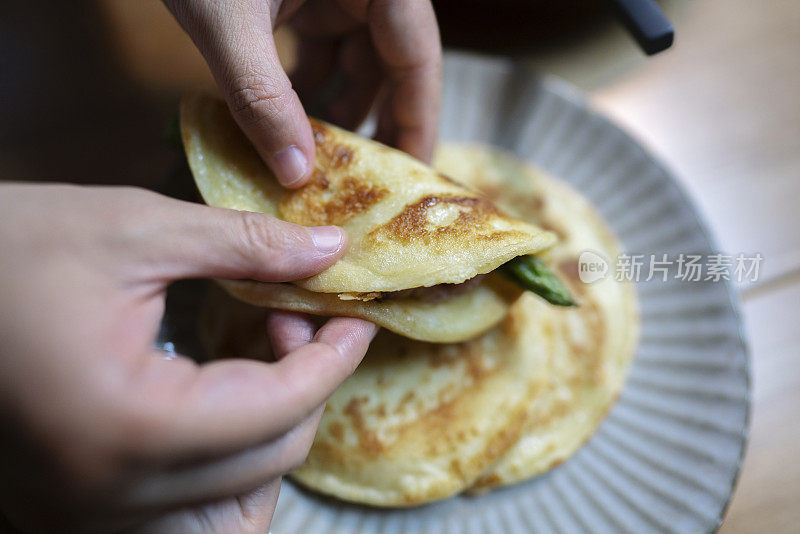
pixel 237 42
pixel 206 242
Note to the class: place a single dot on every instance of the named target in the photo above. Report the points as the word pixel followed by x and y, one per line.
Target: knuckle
pixel 259 96
pixel 268 237
pixel 257 234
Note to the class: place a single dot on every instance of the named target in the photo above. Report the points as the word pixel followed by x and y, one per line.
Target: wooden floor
pixel 92 91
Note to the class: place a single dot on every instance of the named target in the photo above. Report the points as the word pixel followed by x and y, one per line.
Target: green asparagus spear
pixel 531 273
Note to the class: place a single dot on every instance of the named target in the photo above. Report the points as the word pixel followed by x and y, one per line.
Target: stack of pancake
pixel 469 386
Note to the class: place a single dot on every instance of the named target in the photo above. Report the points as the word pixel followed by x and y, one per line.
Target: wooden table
pixel 722 109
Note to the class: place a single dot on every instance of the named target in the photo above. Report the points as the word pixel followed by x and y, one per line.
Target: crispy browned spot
pixel 455 468
pixel 367 439
pixel 438 420
pixel 341 157
pixel 336 430
pixel 501 443
pixel 508 435
pixel 476 368
pixel 441 359
pixel 489 480
pixel 320 131
pixel 505 439
pixel 405 402
pixel 476 365
pixel 412 223
pixel 407 398
pixel 330 155
pixel 353 411
pixel 434 422
pixel 324 201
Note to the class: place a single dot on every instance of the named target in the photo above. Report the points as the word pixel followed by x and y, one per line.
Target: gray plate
pixel 667 456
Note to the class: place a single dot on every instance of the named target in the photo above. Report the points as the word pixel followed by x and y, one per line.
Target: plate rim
pixel 575 96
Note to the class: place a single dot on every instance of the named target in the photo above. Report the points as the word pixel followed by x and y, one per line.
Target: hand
pixel 101 431
pixel 373 44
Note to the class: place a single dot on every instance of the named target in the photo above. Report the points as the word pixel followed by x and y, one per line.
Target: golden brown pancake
pixel 418 421
pixel 408 227
pixel 593 343
pixel 583 353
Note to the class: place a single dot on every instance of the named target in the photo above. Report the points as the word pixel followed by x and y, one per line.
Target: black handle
pixel 647 23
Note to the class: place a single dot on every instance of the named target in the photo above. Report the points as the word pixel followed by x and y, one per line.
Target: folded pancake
pixel 592 343
pixel 409 227
pixel 417 421
pixel 454 319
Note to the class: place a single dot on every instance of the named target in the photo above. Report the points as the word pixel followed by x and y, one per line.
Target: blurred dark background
pixel 88 86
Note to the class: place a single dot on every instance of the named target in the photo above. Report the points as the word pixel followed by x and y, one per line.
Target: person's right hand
pixel 378 47
pixel 100 431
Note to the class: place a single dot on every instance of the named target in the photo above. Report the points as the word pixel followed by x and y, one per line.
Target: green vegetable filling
pixel 530 273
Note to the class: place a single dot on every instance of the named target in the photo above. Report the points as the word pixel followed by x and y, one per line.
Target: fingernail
pixel 290 165
pixel 327 239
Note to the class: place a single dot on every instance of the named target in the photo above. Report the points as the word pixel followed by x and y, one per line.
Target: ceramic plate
pixel 667 456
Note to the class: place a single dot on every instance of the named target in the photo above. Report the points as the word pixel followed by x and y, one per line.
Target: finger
pixel 231 475
pixel 212 242
pixel 289 331
pixel 260 506
pixel 229 405
pixel 237 42
pixel 361 72
pixel 248 513
pixel 406 38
